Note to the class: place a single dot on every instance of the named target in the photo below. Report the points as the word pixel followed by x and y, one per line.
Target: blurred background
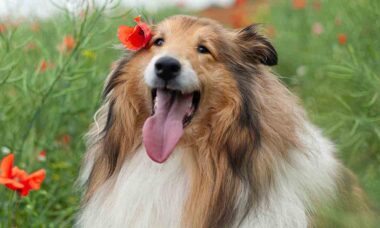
pixel 55 55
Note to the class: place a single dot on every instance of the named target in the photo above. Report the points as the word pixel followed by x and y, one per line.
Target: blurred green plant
pixel 330 55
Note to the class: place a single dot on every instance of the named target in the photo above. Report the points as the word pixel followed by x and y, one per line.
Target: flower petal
pixel 19 173
pixel 6 165
pixel 12 184
pixel 135 38
pixel 147 32
pixel 25 190
pixel 137 19
pixel 35 179
pixel 123 33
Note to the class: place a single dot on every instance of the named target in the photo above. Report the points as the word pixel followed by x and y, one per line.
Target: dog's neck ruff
pixel 148 194
pixel 144 194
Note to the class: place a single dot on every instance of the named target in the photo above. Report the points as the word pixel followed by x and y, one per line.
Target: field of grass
pixel 52 73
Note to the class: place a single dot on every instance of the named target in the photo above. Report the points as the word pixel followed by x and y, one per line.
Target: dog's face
pixel 193 74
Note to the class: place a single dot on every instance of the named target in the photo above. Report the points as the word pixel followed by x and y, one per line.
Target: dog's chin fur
pixel 249 157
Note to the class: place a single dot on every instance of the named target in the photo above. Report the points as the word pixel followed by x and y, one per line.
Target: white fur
pixel 147 194
pixel 144 194
pixel 307 176
pixel 186 82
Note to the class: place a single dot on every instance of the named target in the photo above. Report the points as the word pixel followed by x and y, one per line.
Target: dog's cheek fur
pixel 230 168
pixel 126 101
pixel 211 201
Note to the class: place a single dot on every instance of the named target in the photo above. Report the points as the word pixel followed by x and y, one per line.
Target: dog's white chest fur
pixel 145 194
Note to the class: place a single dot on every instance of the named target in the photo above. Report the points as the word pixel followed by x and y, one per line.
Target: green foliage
pixel 339 84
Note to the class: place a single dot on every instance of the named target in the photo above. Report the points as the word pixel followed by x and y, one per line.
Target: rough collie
pixel 195 131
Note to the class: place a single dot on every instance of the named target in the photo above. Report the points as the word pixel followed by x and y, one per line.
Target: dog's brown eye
pixel 159 42
pixel 202 49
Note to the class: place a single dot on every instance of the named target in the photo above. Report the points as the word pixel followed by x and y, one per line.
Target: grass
pixel 50 109
pixel 339 83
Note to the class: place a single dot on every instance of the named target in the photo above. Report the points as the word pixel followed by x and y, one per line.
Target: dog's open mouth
pixel 172 112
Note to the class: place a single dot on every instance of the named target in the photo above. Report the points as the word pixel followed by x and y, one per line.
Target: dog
pixel 196 131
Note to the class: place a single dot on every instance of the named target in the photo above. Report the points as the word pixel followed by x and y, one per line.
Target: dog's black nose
pixel 167 68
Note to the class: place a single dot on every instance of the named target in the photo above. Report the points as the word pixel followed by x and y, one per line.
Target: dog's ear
pixel 255 47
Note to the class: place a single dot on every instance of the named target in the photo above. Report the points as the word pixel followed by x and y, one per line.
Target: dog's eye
pixel 202 49
pixel 159 42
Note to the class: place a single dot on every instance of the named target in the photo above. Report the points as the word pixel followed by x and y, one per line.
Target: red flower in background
pixel 67 44
pixel 299 4
pixel 342 39
pixel 239 19
pixel 66 139
pixel 42 156
pixel 44 65
pixel 17 179
pixel 240 2
pixel 135 38
pixel 3 28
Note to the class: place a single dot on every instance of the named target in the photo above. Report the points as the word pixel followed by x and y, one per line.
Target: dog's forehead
pixel 187 26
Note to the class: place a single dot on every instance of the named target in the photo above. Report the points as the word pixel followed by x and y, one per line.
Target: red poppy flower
pixel 342 39
pixel 64 139
pixel 135 38
pixel 17 179
pixel 44 65
pixel 240 2
pixel 299 4
pixel 33 182
pixel 68 43
pixel 6 173
pixel 3 28
pixel 42 156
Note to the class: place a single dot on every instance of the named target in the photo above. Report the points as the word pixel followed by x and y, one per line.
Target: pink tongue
pixel 162 131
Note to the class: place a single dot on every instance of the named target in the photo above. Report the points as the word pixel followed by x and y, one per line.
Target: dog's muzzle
pixel 175 99
pixel 169 72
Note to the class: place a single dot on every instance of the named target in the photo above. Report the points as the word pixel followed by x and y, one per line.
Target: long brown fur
pixel 247 120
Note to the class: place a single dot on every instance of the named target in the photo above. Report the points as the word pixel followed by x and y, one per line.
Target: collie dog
pixel 195 131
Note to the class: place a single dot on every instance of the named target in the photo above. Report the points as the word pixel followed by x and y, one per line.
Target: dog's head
pixel 191 70
pixel 207 89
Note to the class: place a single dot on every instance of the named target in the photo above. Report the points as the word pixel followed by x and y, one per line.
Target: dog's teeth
pixel 155 103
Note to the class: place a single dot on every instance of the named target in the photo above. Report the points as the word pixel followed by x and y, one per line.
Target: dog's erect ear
pixel 256 47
